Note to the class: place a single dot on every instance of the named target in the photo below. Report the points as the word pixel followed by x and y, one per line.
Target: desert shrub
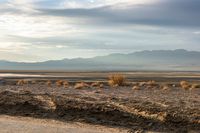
pixel 116 80
pixel 136 87
pixel 185 85
pixel 142 83
pixel 101 85
pixel 165 87
pixel 151 83
pixel 81 85
pixel 49 83
pixel 22 82
pixel 26 81
pixel 33 82
pixel 59 83
pixel 65 84
pixel 182 83
pixel 195 86
pixel 95 84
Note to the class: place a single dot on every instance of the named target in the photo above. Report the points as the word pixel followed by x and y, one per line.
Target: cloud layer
pixel 49 29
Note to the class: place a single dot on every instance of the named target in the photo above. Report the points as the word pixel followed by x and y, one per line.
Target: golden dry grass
pixel 185 85
pixel 195 86
pixel 49 83
pixel 65 84
pixel 26 81
pixel 33 82
pixel 151 83
pixel 182 83
pixel 142 84
pixel 95 84
pixel 116 80
pixel 81 85
pixel 101 85
pixel 136 87
pixel 59 83
pixel 165 87
pixel 22 82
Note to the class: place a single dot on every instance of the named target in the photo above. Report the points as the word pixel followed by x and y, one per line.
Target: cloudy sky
pixel 39 30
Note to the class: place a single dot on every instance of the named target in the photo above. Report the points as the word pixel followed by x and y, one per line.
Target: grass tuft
pixel 136 87
pixel 151 83
pixel 116 80
pixel 33 82
pixel 81 85
pixel 49 83
pixel 95 84
pixel 165 87
pixel 185 85
pixel 59 83
pixel 22 82
pixel 65 84
pixel 195 86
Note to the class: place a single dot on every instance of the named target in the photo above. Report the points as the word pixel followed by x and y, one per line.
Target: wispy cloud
pixel 85 28
pixel 164 13
pixel 100 3
pixel 10 47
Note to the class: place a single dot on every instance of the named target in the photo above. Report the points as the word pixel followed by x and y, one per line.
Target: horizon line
pixel 97 56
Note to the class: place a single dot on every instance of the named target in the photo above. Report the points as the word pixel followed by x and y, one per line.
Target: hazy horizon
pixel 41 30
pixel 99 55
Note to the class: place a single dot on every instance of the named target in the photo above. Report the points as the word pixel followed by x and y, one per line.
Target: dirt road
pixel 9 124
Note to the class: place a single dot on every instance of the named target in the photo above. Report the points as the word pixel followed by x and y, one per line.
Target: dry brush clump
pixel 33 82
pixel 81 85
pixel 185 85
pixel 141 84
pixel 97 84
pixel 59 83
pixel 165 87
pixel 49 83
pixel 136 87
pixel 116 80
pixel 195 86
pixel 148 85
pixel 151 83
pixel 22 82
pixel 101 85
pixel 65 84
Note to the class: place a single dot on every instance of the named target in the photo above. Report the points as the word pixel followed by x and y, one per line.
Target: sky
pixel 40 30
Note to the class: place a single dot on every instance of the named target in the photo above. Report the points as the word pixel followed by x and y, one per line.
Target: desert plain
pixel 148 101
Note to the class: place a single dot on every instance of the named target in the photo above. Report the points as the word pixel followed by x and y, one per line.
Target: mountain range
pixel 179 59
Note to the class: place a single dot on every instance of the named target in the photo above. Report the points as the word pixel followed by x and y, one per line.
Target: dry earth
pixel 174 110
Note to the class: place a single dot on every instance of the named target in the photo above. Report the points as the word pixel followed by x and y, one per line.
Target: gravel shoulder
pixel 11 124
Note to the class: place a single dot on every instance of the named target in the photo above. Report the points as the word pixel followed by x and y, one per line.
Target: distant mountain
pixel 145 60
